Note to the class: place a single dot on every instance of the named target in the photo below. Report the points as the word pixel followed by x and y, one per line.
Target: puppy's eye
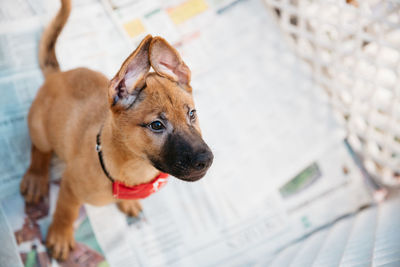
pixel 192 115
pixel 156 126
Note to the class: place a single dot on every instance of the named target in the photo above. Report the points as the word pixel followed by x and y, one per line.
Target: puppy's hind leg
pixel 35 183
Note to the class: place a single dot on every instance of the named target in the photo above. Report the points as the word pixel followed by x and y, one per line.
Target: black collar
pixel 100 153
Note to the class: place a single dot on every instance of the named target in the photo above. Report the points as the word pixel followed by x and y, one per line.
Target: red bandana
pixel 122 191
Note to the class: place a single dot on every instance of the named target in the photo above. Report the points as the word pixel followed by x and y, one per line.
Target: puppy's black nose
pixel 203 160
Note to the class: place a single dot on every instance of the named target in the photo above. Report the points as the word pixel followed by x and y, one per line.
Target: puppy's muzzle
pixel 187 157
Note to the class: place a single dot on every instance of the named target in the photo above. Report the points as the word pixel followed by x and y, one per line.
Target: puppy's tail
pixel 47 54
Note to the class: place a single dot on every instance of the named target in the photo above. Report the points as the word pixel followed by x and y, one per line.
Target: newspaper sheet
pixel 279 155
pixel 19 81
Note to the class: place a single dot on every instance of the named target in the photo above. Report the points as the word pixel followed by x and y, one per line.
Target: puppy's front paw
pixel 130 207
pixel 60 240
pixel 34 187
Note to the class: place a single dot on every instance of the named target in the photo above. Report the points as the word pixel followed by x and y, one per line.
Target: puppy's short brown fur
pixel 147 121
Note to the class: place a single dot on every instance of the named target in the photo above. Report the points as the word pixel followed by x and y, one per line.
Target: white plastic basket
pixel 353 48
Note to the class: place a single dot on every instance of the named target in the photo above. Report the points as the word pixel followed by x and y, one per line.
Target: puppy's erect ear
pixel 129 81
pixel 166 61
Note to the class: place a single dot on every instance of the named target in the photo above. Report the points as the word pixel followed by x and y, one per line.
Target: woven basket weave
pixel 353 48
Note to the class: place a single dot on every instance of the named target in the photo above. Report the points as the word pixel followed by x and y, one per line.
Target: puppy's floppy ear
pixel 129 81
pixel 166 61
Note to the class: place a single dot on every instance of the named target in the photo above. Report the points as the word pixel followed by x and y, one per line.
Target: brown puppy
pixel 146 122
